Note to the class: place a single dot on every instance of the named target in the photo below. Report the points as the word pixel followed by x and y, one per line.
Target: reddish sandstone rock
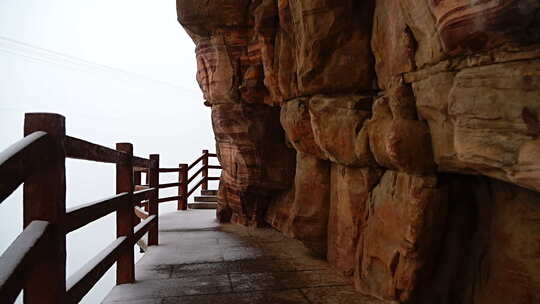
pixel 285 60
pixel 527 169
pixel 471 26
pixel 322 42
pixel 254 157
pixel 451 81
pixel 296 121
pixel 509 246
pixel 445 28
pixel 278 212
pixel 432 103
pixel 336 124
pixel 348 211
pixel 266 17
pixel 397 143
pixel 392 42
pixel 203 18
pixel 491 238
pixel 307 212
pixel 420 21
pixel 401 99
pixel 215 70
pixel 473 126
pixel 229 49
pixel 245 207
pixel 399 234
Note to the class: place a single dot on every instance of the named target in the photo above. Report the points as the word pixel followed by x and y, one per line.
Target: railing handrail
pixel 81 149
pixel 184 180
pixel 82 215
pixel 38 161
pixel 201 169
pixel 19 160
pixel 195 188
pixel 195 162
pixel 19 256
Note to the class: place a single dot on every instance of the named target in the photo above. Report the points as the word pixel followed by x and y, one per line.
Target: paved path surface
pixel 201 261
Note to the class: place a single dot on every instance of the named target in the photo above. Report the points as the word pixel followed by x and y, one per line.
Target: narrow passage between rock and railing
pixel 201 261
pixel 36 260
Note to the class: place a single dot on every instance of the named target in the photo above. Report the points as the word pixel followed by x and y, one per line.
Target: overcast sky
pixel 120 71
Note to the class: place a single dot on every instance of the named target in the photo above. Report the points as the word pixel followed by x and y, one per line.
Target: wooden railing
pixel 183 180
pixel 36 260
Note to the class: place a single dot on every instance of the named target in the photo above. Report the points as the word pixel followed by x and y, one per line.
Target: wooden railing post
pixel 137 178
pixel 45 199
pixel 125 266
pixel 183 187
pixel 205 170
pixel 153 207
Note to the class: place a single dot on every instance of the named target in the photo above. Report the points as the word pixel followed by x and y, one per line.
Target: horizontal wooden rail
pixel 80 283
pixel 195 174
pixel 81 149
pixel 141 162
pixel 169 185
pixel 18 259
pixel 85 150
pixel 170 198
pixel 143 228
pixel 184 180
pixel 21 159
pixel 196 162
pixel 166 170
pixel 142 195
pixel 36 260
pixel 190 192
pixel 83 215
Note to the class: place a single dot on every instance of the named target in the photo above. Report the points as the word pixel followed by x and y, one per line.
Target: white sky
pixel 160 111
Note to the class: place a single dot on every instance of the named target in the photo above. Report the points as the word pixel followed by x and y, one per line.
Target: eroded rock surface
pixel 401 234
pixel 255 160
pixel 415 125
pixel 349 209
pixel 305 214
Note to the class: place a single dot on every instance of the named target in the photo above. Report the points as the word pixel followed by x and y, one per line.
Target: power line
pixel 43 55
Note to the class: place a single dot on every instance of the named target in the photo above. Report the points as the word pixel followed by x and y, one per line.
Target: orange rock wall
pixel 398 139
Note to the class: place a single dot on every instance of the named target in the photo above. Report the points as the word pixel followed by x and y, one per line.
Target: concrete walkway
pixel 201 261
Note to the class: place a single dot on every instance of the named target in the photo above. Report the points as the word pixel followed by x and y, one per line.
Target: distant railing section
pixel 183 180
pixel 36 260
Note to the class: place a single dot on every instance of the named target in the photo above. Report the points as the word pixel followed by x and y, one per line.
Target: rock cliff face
pixel 397 139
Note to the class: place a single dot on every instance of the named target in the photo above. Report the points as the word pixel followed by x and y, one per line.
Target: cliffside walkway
pixel 201 261
pixel 189 257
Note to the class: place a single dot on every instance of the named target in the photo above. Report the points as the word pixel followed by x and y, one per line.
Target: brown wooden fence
pixel 184 181
pixel 36 260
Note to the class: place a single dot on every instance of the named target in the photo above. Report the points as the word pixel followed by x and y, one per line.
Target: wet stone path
pixel 201 261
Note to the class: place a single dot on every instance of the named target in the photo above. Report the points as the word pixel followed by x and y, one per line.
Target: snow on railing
pixel 36 260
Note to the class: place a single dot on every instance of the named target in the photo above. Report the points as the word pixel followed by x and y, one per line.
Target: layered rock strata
pixel 415 128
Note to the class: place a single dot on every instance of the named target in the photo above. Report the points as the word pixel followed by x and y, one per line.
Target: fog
pixel 119 71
